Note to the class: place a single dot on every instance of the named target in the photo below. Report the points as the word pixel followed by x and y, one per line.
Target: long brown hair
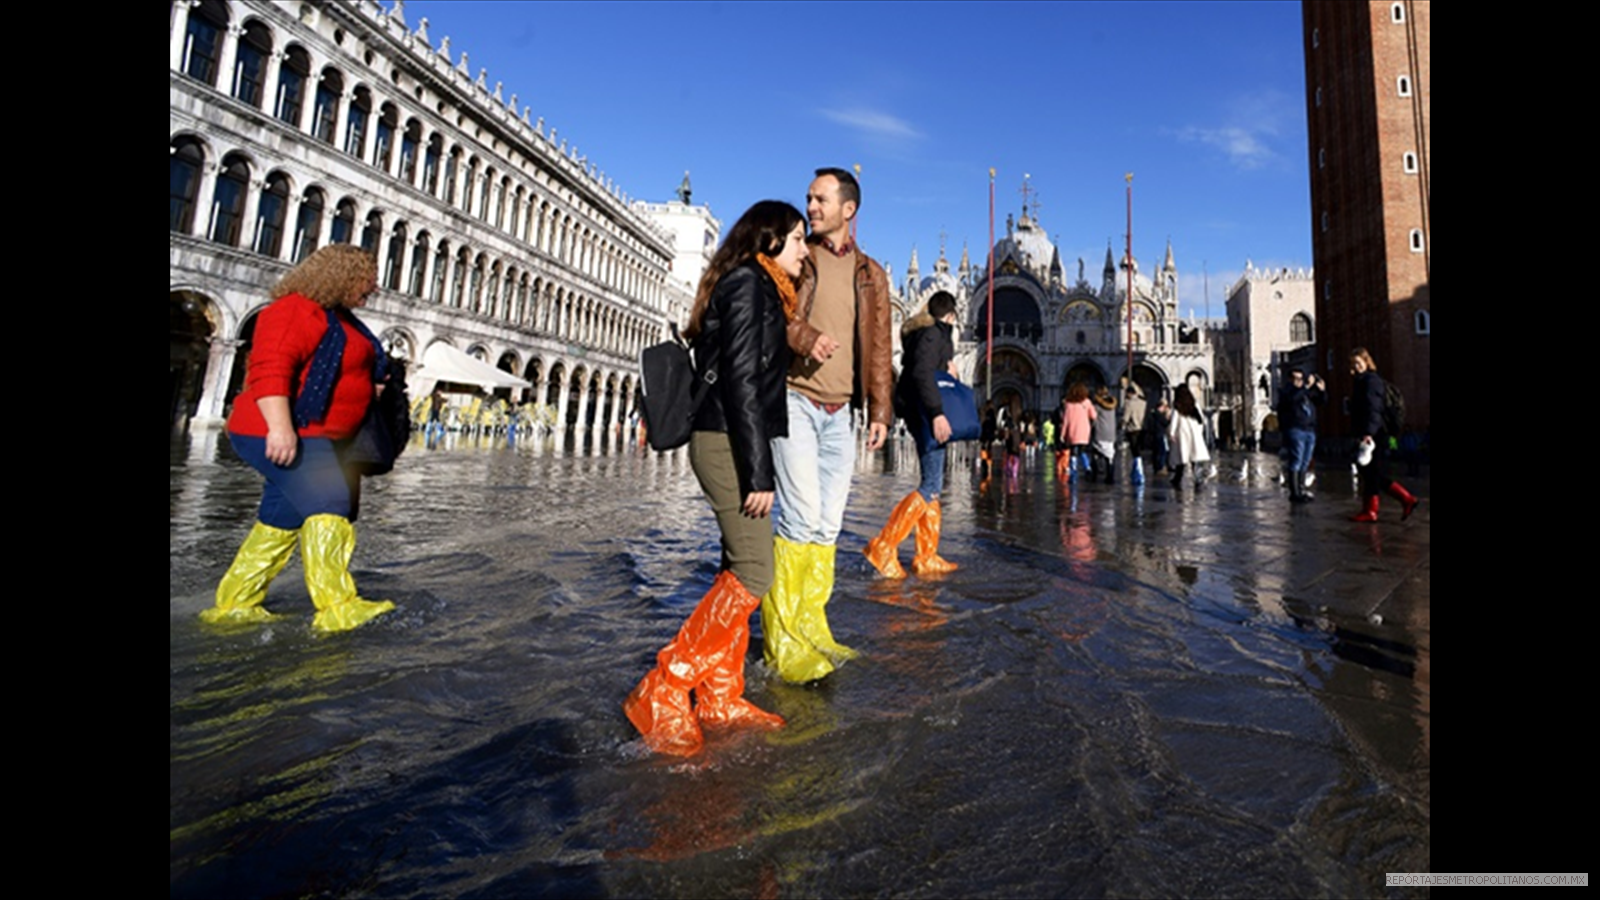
pixel 1183 401
pixel 763 228
pixel 1362 354
pixel 335 275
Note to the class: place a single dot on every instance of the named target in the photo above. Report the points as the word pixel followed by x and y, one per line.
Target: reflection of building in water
pixel 1271 315
pixel 1051 330
pixel 293 125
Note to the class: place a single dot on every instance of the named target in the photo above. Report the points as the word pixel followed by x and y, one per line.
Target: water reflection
pixel 1119 692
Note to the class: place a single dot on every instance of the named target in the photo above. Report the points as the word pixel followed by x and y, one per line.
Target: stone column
pixel 291 224
pixel 563 396
pixel 341 119
pixel 230 55
pixel 180 31
pixel 250 228
pixel 269 86
pixel 583 411
pixel 214 396
pixel 204 197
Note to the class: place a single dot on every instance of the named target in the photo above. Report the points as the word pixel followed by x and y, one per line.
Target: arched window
pixel 250 64
pixel 1416 240
pixel 202 45
pixel 1402 85
pixel 344 222
pixel 292 77
pixel 470 187
pixel 430 166
pixel 441 265
pixel 476 294
pixel 1300 328
pixel 227 203
pixel 308 224
pixel 409 142
pixel 451 166
pixel 1424 321
pixel 1408 162
pixel 1397 13
pixel 185 162
pixel 373 231
pixel 325 114
pixel 388 123
pixel 355 125
pixel 271 214
pixel 458 284
pixel 492 295
pixel 419 258
pixel 395 257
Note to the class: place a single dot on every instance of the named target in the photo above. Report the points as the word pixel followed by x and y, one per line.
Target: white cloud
pixel 1248 136
pixel 873 124
pixel 1243 147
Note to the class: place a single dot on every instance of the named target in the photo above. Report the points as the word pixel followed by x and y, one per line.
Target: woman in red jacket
pixel 314 369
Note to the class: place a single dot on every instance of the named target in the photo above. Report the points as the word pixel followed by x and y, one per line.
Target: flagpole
pixel 855 218
pixel 988 378
pixel 1129 259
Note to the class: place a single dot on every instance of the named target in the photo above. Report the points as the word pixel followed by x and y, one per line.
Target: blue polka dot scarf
pixel 316 393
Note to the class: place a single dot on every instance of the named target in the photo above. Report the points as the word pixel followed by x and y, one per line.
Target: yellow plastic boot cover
pixel 816 591
pixel 264 553
pixel 326 544
pixel 788 648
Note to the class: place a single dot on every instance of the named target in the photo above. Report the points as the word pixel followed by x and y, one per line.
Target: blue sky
pixel 1203 101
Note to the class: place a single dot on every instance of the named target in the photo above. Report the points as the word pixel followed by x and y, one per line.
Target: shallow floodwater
pixel 1121 693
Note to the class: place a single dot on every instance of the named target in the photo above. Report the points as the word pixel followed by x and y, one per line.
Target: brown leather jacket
pixel 874 347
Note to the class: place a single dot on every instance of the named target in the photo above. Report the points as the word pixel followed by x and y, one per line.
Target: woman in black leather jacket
pixel 738 330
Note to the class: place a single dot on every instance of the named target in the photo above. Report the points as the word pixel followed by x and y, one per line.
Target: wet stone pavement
pixel 1122 692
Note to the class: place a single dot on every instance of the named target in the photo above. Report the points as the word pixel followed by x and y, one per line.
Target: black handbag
pixel 385 431
pixel 669 392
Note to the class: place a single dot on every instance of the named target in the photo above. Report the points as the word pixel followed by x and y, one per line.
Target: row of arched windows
pixel 285 224
pixel 370 129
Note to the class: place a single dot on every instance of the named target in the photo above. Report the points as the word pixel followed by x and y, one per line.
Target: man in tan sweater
pixel 842 359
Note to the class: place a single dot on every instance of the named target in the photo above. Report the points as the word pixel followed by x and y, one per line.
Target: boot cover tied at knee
pixel 798 643
pixel 883 550
pixel 928 561
pixel 717 630
pixel 326 544
pixel 719 698
pixel 264 553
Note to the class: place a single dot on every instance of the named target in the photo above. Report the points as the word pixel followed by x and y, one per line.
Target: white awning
pixel 442 362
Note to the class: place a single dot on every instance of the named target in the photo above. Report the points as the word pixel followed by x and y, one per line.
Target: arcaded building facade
pixel 296 124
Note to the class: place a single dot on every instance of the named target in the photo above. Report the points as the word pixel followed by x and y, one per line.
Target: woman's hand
pixel 282 441
pixel 282 446
pixel 758 505
pixel 941 429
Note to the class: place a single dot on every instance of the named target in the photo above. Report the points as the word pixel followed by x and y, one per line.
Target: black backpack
pixel 670 392
pixel 1394 409
pixel 386 429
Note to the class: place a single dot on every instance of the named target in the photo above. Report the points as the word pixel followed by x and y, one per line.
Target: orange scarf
pixel 791 303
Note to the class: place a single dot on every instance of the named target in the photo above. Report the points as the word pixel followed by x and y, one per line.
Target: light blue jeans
pixel 813 464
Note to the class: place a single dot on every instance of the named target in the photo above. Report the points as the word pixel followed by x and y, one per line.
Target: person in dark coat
pixel 929 350
pixel 1297 417
pixel 1367 403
